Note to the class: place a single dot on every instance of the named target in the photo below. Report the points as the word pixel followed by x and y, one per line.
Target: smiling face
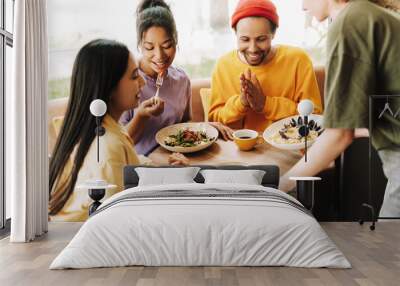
pixel 158 50
pixel 254 37
pixel 317 8
pixel 126 95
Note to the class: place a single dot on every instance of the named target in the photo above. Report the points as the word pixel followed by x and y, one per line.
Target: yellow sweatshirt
pixel 116 151
pixel 286 79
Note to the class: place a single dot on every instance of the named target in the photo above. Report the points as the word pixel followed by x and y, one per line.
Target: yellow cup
pixel 245 139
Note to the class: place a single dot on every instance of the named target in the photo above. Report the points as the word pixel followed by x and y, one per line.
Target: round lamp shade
pixel 305 107
pixel 98 107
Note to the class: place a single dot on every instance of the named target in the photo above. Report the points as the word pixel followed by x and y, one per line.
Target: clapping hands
pixel 251 95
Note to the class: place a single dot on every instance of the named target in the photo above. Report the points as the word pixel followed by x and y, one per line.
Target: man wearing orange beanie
pixel 258 83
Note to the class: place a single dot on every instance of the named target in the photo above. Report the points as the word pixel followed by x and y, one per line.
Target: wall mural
pixel 261 100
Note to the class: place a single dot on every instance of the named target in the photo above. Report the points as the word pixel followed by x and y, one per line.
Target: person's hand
pixel 243 88
pixel 178 159
pixel 151 107
pixel 225 132
pixel 253 91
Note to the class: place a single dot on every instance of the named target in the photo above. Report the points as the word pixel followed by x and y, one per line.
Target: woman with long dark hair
pixel 157 39
pixel 105 70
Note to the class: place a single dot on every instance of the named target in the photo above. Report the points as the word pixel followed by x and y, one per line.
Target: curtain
pixel 26 118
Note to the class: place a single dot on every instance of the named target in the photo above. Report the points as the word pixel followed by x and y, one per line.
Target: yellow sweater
pixel 116 151
pixel 286 79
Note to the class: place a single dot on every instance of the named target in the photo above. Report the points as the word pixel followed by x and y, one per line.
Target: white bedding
pixel 185 231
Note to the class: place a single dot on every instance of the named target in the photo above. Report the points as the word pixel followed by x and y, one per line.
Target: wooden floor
pixel 375 257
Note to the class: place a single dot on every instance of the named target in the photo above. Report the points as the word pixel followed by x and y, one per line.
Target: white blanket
pixel 183 231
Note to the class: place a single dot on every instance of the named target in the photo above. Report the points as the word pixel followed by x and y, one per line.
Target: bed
pixel 201 223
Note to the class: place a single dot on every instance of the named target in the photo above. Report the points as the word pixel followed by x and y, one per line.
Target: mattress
pixel 201 225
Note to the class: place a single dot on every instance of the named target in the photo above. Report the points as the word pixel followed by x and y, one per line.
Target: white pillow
pixel 248 177
pixel 164 176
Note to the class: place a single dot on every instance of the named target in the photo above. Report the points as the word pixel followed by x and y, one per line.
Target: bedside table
pixel 305 190
pixel 96 190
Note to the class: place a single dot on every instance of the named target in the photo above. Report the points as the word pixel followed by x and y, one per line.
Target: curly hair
pixel 155 13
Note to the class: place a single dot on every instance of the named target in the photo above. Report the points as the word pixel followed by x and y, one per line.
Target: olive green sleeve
pixel 349 84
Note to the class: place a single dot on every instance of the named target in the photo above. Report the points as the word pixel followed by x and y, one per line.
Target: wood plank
pixel 375 257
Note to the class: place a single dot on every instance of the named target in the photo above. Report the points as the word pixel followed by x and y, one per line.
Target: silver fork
pixel 159 83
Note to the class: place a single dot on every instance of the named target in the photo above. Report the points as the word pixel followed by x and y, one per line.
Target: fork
pixel 159 83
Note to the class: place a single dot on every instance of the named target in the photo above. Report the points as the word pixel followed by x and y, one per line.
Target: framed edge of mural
pixel 380 108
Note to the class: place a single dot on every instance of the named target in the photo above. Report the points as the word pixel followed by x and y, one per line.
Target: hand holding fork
pixel 159 82
pixel 153 106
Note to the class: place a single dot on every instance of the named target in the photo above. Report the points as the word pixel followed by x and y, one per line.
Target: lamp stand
pixel 304 131
pixel 96 195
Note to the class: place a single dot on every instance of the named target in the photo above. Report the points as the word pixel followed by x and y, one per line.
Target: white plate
pixel 276 126
pixel 173 129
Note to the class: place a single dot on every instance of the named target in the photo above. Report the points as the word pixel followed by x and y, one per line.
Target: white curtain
pixel 26 117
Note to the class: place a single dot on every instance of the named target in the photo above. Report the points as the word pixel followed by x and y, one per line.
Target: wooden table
pixel 227 153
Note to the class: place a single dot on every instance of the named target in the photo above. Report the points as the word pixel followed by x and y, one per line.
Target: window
pixel 6 43
pixel 203 28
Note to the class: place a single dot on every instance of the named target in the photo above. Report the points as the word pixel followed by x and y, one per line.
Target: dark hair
pixel 273 27
pixel 155 13
pixel 98 68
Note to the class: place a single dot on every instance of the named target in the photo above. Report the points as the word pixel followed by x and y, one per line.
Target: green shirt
pixel 364 60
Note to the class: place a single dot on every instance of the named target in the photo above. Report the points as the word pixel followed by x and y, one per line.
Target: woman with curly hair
pixel 157 39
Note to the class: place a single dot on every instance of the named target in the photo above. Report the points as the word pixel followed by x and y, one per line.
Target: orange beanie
pixel 255 8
